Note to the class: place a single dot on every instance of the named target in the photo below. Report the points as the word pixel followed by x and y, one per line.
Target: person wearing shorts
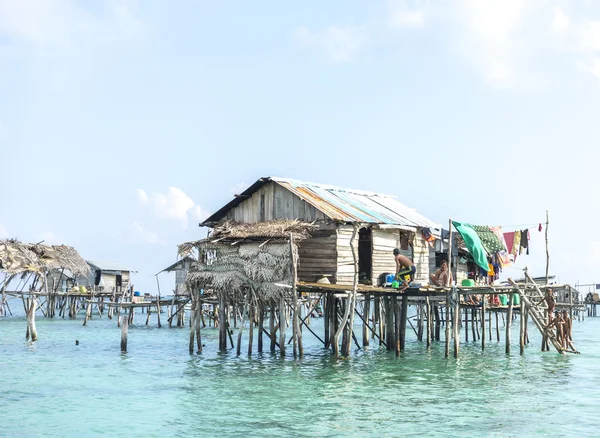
pixel 405 269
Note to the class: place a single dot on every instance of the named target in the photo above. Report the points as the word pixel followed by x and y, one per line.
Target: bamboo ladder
pixel 537 314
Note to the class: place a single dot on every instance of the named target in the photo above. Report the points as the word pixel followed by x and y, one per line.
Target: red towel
pixel 509 238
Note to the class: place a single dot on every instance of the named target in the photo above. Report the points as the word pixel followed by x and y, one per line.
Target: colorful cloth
pixel 489 240
pixel 509 238
pixel 473 243
pixel 504 258
pixel 516 244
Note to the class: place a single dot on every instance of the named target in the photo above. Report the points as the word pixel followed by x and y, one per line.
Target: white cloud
pixel 142 196
pixel 175 205
pixel 404 13
pixel 144 234
pixel 3 232
pixel 63 35
pixel 338 44
pixel 560 22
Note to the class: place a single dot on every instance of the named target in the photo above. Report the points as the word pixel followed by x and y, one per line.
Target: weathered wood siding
pixel 317 255
pixel 461 269
pixel 345 260
pixel 421 258
pixel 384 242
pixel 272 202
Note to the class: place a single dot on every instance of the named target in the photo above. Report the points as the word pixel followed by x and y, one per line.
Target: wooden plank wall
pixel 461 270
pixel 272 202
pixel 345 261
pixel 384 242
pixel 317 255
pixel 421 258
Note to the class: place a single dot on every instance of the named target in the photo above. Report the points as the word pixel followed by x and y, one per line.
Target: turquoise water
pixel 56 388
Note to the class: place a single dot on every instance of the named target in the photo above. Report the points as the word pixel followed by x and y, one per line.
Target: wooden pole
pixel 403 319
pixel 483 323
pixel 428 316
pixel 447 337
pixel 497 327
pixel 397 328
pixel 272 326
pixel 296 333
pixel 282 324
pixel 547 253
pixel 351 301
pixel 223 326
pixel 522 326
pixel 456 322
pixel 124 328
pixel 261 326
pixel 509 321
pixel 366 316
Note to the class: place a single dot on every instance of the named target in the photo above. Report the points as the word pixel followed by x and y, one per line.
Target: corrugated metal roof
pixel 345 205
pixel 108 265
pixel 349 205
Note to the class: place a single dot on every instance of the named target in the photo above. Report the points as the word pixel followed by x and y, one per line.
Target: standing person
pixel 405 269
pixel 550 302
pixel 558 323
pixel 443 276
pixel 567 329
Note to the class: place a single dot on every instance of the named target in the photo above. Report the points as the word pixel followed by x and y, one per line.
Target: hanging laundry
pixel 473 243
pixel 489 240
pixel 540 227
pixel 509 238
pixel 516 244
pixel 428 237
pixel 445 234
pixel 498 232
pixel 491 271
pixel 504 258
pixel 524 241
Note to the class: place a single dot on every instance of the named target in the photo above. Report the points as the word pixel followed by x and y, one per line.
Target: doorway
pixel 365 256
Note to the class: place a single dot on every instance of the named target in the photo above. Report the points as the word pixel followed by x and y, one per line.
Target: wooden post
pixel 522 326
pixel 397 319
pixel 404 316
pixel 296 334
pixel 272 326
pixel 547 253
pixel 223 326
pixel 261 326
pixel 429 325
pixel 483 323
pixel 509 321
pixel 366 316
pixel 124 328
pixel 377 318
pixel 251 317
pixel 326 318
pixel 192 323
pixel 456 322
pixel 348 319
pixel 282 324
pixel 31 329
pixel 447 322
pixel 389 317
pixel 497 328
pixel 436 315
pixel 466 324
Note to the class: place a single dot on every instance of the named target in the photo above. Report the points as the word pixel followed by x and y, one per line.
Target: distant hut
pixel 108 274
pixel 181 268
pixel 384 222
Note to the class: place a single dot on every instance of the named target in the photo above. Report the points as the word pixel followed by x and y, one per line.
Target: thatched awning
pixel 17 258
pixel 230 232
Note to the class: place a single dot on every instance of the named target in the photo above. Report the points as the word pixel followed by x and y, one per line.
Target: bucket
pixel 136 293
pixel 468 283
pixel 395 284
pixel 389 278
pixel 503 299
pixel 516 299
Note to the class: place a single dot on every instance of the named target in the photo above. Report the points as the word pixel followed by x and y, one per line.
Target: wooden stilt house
pixel 384 223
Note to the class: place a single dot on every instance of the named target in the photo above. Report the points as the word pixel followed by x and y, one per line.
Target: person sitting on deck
pixel 550 302
pixel 441 277
pixel 405 269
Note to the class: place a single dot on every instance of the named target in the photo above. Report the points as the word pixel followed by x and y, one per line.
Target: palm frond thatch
pixel 17 257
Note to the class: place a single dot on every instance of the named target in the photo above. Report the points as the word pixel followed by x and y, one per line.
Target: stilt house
pixel 384 223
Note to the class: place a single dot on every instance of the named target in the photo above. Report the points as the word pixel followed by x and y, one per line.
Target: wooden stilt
pixel 223 326
pixel 509 321
pixel 483 324
pixel 261 326
pixel 366 316
pixel 497 327
pixel 447 331
pixel 397 327
pixel 466 324
pixel 389 322
pixel 403 318
pixel 282 320
pixel 456 322
pixel 428 316
pixel 124 328
pixel 522 327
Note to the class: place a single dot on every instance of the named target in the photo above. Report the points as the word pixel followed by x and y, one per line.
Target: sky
pixel 125 123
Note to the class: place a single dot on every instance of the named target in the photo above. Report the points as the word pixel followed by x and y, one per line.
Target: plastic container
pixel 503 299
pixel 82 289
pixel 468 283
pixel 516 300
pixel 395 284
pixel 389 278
pixel 136 293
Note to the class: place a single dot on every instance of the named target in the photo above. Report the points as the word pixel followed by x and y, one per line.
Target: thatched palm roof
pixel 17 257
pixel 228 231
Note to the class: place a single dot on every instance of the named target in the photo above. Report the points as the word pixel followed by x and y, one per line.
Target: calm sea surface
pixel 56 388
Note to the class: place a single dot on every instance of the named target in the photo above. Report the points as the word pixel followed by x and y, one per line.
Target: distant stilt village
pixel 285 252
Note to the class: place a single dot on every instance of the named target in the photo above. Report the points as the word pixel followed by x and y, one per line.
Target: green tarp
pixel 473 243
